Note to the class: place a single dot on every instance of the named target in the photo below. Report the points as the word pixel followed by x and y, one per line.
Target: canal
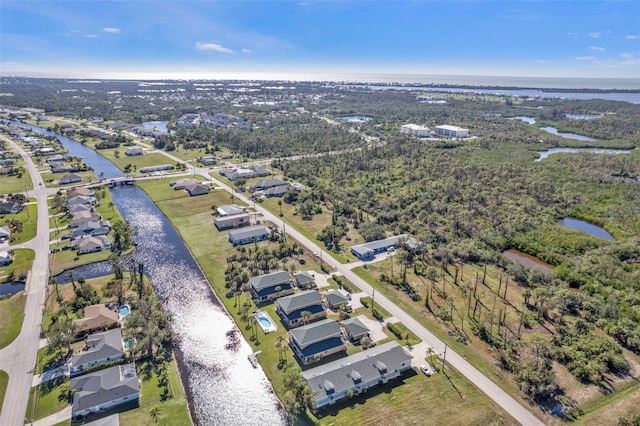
pixel 222 386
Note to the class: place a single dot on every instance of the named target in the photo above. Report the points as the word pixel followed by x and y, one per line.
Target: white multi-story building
pixel 452 131
pixel 415 130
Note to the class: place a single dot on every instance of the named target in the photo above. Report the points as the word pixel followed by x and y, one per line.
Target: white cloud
pixel 598 48
pixel 91 36
pixel 632 36
pixel 112 30
pixel 595 34
pixel 246 50
pixel 213 46
pixel 625 60
pixel 585 58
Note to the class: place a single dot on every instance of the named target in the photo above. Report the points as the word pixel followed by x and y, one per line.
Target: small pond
pixel 358 119
pixel 587 227
pixel 527 260
pixel 156 125
pixel 9 289
pixel 565 135
pixel 545 154
pixel 528 120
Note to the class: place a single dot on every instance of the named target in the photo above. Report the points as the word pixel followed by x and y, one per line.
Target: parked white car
pixel 427 370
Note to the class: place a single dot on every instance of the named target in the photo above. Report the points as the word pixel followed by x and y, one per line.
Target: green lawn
pixel 46 399
pixel 149 158
pixel 14 184
pixel 22 261
pixel 11 319
pixel 4 382
pixel 87 176
pixel 29 219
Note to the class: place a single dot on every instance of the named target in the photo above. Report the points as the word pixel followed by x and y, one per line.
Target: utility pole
pixel 444 358
pixel 373 299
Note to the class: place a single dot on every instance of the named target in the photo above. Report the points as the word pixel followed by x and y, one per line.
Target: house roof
pixel 100 346
pixel 236 218
pixel 79 191
pixel 334 297
pixel 378 244
pixel 196 188
pixel 90 242
pixel 297 313
pixel 354 326
pixel 269 280
pixel 103 386
pixel 364 367
pixel 299 300
pixel 229 210
pixel 95 316
pixel 321 346
pixel 303 278
pixel 316 331
pixel 277 190
pixel 268 183
pixel 248 232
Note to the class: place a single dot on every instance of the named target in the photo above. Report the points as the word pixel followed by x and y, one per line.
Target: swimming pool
pixel 123 310
pixel 265 322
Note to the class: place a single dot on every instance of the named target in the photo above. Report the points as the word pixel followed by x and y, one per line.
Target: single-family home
pixel 367 251
pixel 356 373
pixel 229 222
pixel 159 168
pixel 103 389
pixel 315 341
pixel 85 192
pixel 248 235
pixel 266 184
pixel 5 233
pixel 271 286
pixel 79 208
pixel 91 229
pixel 10 208
pixel 277 191
pixel 305 280
pixel 70 178
pixel 100 348
pixel 133 151
pixel 91 244
pixel 181 183
pixel 83 217
pixel 96 317
pixel 196 188
pixel 300 308
pixel 81 199
pixel 56 158
pixel 5 171
pixel 65 168
pixel 334 299
pixel 5 258
pixel 229 210
pixel 354 329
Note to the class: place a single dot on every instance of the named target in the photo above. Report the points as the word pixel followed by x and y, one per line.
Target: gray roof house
pixel 304 280
pixel 91 244
pixel 271 286
pixel 291 308
pixel 92 229
pixel 315 341
pixel 268 183
pixel 83 217
pixel 356 373
pixel 228 222
pixel 104 389
pixel 5 233
pixel 367 251
pixel 196 188
pixel 70 178
pixel 229 210
pixel 81 200
pixel 354 329
pixel 248 235
pixel 100 348
pixel 334 299
pixel 277 191
pixel 133 150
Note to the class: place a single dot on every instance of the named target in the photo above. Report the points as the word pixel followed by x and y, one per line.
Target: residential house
pixel 248 235
pixel 91 244
pixel 133 151
pixel 5 233
pixel 83 217
pixel 159 168
pixel 70 178
pixel 100 348
pixel 305 280
pixel 277 191
pixel 5 258
pixel 315 341
pixel 355 374
pixel 91 229
pixel 5 171
pixel 10 208
pixel 81 200
pixel 181 183
pixel 208 161
pixel 229 210
pixel 103 389
pixel 334 299
pixel 65 168
pixel 266 184
pixel 85 192
pixel 96 317
pixel 197 189
pixel 229 222
pixel 271 286
pixel 79 208
pixel 300 308
pixel 56 158
pixel 354 330
pixel 367 251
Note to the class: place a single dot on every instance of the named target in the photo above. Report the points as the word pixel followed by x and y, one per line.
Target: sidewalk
pixel 53 419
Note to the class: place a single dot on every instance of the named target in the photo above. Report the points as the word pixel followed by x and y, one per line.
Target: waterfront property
pixel 415 130
pixel 159 168
pixel 271 286
pixel 368 251
pixel 354 330
pixel 91 229
pixel 103 389
pixel 70 178
pixel 452 131
pixel 100 348
pixel 248 235
pixel 83 217
pixel 196 188
pixel 181 183
pixel 357 373
pixel 334 299
pixel 91 244
pixel 302 307
pixel 96 317
pixel 230 222
pixel 315 341
pixel 133 150
pixel 265 322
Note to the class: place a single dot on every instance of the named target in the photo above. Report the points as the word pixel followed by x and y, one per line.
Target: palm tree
pixel 430 353
pixel 305 316
pixel 154 413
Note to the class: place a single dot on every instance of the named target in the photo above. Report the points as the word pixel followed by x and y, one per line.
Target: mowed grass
pixel 13 184
pixel 46 399
pixel 407 403
pixel 4 382
pixel 12 310
pixel 149 158
pixel 29 218
pixel 22 261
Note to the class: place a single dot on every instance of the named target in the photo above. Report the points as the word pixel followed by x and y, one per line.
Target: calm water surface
pixel 527 260
pixel 528 120
pixel 555 131
pixel 545 154
pixel 587 227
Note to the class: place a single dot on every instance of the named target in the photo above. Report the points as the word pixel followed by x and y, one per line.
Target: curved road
pixel 19 358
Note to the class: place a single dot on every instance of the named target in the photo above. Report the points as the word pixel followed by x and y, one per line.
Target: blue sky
pixel 568 38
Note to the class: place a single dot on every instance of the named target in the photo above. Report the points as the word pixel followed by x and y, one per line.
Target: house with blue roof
pixel 315 341
pixel 299 308
pixel 271 286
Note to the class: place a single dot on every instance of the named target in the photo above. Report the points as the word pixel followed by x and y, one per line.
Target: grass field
pixel 4 382
pixel 29 219
pixel 22 261
pixel 14 184
pixel 46 399
pixel 11 319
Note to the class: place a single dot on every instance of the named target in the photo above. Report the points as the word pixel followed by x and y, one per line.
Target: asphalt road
pixel 19 358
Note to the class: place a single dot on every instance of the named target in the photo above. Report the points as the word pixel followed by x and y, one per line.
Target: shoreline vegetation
pixel 539 317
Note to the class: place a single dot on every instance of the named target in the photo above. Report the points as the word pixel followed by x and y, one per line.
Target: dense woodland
pixel 467 200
